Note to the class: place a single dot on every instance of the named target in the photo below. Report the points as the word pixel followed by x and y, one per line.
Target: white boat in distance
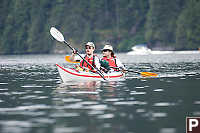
pixel 142 49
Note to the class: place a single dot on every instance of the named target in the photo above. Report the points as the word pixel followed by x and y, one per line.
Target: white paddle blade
pixel 56 34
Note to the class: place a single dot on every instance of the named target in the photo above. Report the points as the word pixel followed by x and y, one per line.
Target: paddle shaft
pixel 99 72
pixel 133 71
pixel 142 73
pixel 126 70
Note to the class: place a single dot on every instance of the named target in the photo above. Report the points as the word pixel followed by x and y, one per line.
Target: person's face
pixel 106 53
pixel 89 50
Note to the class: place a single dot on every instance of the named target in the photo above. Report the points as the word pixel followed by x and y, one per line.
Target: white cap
pixel 109 47
pixel 90 44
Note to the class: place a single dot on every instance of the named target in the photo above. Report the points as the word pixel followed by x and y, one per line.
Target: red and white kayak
pixel 68 74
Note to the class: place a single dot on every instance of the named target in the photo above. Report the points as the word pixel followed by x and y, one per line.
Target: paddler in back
pixel 89 56
pixel 109 62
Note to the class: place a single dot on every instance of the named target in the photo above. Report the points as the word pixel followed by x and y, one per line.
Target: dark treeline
pixel 168 24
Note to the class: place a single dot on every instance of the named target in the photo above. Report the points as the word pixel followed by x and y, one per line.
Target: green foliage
pixel 127 43
pixel 188 30
pixel 25 24
pixel 161 21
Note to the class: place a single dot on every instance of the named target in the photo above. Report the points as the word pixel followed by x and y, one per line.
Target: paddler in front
pixel 109 62
pixel 89 56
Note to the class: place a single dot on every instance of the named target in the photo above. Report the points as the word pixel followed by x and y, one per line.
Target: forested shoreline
pixel 162 24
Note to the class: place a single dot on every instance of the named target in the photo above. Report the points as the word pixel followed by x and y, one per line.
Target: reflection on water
pixel 33 99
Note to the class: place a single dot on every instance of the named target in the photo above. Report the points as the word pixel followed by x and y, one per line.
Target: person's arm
pixel 72 57
pixel 97 63
pixel 119 64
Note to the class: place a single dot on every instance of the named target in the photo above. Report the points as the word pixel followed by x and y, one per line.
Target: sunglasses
pixel 88 47
pixel 106 50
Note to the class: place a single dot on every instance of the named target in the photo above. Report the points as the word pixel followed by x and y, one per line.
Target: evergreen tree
pixel 188 30
pixel 161 22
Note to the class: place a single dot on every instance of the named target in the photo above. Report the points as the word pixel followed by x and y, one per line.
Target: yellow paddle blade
pixel 146 74
pixel 68 60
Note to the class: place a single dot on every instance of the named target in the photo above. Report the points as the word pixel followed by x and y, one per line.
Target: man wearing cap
pixel 108 56
pixel 90 57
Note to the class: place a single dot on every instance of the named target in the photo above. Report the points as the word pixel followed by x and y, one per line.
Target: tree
pixel 188 30
pixel 161 22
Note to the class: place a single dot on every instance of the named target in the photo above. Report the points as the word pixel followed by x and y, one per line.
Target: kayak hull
pixel 68 74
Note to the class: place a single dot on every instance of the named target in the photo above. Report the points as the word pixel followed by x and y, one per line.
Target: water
pixel 34 100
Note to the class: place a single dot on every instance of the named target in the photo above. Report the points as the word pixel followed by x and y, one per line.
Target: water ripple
pixel 105 116
pixel 137 93
pixel 98 107
pixel 68 129
pixel 167 130
pixel 130 103
pixel 64 114
pixel 3 83
pixel 22 108
pixel 163 104
pixel 15 123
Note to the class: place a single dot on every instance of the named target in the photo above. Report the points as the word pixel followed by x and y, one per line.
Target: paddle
pixel 67 58
pixel 59 37
pixel 144 74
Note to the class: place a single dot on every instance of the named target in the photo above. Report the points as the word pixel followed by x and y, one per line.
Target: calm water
pixel 34 100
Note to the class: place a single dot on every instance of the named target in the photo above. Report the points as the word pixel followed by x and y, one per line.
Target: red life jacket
pixel 111 61
pixel 90 60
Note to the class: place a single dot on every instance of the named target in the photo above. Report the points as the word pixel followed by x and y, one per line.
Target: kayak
pixel 68 74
